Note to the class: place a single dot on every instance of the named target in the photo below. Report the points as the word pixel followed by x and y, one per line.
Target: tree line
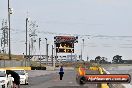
pixel 117 59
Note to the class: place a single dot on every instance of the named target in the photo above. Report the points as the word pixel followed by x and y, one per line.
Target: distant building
pixel 68 58
pixel 71 58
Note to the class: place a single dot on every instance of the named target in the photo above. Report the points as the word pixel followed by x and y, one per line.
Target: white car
pixel 5 80
pixel 23 75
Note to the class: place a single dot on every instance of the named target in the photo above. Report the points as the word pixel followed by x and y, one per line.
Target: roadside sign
pixel 70 39
pixel 62 50
pixel 65 44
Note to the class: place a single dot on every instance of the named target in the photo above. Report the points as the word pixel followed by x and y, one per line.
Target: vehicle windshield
pixel 20 72
pixel 2 74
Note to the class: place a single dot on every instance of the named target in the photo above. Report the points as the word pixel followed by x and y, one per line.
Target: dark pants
pixel 61 75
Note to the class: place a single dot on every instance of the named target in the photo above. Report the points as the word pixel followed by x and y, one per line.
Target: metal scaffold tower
pixel 4 37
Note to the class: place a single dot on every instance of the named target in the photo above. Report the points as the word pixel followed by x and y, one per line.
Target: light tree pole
pixel 46 51
pixel 39 50
pixel 9 12
pixel 82 48
pixel 52 55
pixel 26 33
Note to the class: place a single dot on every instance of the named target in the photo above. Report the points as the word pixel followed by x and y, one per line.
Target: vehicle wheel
pixel 26 83
pixel 82 80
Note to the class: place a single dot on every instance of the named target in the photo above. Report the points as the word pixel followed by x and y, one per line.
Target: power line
pixel 80 35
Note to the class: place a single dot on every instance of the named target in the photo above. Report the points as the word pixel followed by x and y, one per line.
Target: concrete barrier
pixel 38 68
pixel 50 68
pixel 10 68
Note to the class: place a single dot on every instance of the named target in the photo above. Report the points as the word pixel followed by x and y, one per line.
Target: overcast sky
pixel 84 17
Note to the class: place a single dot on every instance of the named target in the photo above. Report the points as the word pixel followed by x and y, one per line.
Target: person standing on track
pixel 16 82
pixel 61 72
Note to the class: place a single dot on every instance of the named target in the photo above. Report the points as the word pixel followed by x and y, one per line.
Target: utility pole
pixel 56 59
pixel 52 55
pixel 81 53
pixel 9 12
pixel 55 55
pixel 26 40
pixel 82 48
pixel 29 48
pixel 46 52
pixel 40 51
pixel 29 55
pixel 26 34
pixel 87 57
pixel 39 43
